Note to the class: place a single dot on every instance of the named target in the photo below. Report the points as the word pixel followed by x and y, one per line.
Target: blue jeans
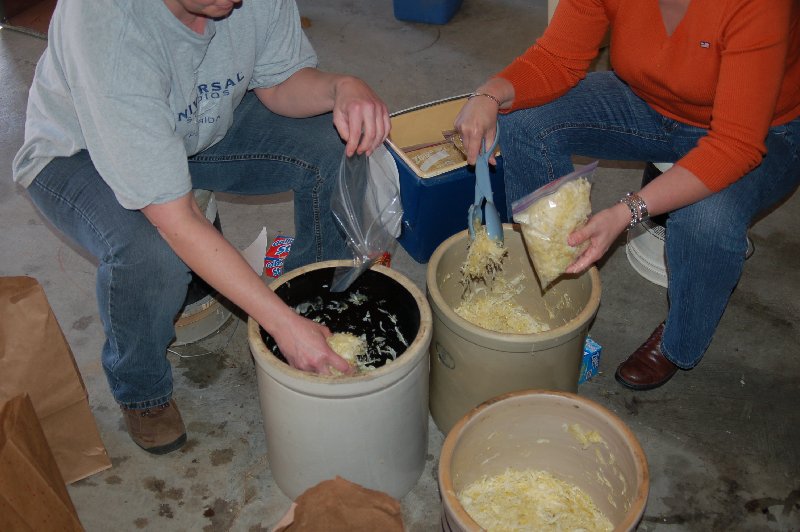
pixel 706 241
pixel 141 284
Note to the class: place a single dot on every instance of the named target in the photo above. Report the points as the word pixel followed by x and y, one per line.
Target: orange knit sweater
pixel 731 66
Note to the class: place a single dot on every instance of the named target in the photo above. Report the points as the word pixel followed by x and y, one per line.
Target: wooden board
pixel 32 16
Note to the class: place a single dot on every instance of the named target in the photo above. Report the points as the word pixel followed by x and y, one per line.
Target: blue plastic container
pixel 427 11
pixel 435 207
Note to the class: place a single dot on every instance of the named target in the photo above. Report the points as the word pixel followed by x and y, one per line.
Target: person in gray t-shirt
pixel 136 103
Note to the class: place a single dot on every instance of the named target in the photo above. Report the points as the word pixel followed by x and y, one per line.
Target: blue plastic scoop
pixel 483 191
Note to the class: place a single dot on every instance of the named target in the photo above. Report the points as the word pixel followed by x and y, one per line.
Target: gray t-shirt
pixel 126 80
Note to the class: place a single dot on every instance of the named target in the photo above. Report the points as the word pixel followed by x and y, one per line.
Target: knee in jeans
pixel 151 258
pixel 717 228
pixel 534 123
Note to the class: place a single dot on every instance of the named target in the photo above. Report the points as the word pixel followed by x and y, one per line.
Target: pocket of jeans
pixel 788 135
pixel 668 125
pixel 781 132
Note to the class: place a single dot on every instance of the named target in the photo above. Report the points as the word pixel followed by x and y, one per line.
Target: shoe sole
pixel 168 448
pixel 639 387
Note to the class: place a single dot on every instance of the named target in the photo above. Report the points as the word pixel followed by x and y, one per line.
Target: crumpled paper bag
pixel 339 505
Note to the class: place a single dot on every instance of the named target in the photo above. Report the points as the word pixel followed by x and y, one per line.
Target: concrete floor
pixel 721 440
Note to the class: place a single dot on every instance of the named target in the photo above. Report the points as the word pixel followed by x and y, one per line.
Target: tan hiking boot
pixel 157 430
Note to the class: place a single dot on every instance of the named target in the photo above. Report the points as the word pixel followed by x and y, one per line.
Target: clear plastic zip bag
pixel 548 215
pixel 366 203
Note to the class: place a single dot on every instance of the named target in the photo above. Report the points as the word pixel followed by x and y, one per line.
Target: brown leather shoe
pixel 157 430
pixel 647 367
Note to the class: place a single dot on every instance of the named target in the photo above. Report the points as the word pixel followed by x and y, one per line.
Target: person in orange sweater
pixel 711 86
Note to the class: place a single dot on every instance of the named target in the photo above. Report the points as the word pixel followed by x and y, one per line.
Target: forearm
pixel 360 117
pixel 216 261
pixel 675 188
pixel 308 92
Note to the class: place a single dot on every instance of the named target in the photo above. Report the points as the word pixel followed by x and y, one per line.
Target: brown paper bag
pixel 338 505
pixel 36 359
pixel 33 495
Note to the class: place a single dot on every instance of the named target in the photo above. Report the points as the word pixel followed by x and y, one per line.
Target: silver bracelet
pixel 638 208
pixel 491 97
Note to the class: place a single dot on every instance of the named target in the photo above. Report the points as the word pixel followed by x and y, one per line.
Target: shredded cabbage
pixel 484 258
pixel 494 308
pixel 531 500
pixel 488 298
pixel 348 346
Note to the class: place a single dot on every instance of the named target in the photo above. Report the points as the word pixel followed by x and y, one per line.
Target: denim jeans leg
pixel 599 118
pixel 140 284
pixel 706 244
pixel 265 153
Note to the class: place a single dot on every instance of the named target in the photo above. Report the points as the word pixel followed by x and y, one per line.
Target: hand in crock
pixel 602 229
pixel 303 343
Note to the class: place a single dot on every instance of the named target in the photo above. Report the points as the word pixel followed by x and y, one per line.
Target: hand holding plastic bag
pixel 548 215
pixel 367 205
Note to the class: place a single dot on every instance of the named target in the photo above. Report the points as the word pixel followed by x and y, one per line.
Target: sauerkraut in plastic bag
pixel 548 215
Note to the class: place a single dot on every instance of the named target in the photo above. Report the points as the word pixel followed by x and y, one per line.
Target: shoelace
pixel 148 411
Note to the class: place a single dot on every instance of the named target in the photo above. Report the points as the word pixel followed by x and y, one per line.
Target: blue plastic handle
pixel 483 191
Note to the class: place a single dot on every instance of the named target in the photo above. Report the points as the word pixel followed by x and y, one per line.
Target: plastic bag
pixel 548 215
pixel 366 203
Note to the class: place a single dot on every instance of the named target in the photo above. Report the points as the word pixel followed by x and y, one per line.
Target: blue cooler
pixel 435 199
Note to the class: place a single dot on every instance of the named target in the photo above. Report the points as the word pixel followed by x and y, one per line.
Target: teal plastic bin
pixel 427 11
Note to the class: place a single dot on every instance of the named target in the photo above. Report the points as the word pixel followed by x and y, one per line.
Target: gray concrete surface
pixel 721 440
